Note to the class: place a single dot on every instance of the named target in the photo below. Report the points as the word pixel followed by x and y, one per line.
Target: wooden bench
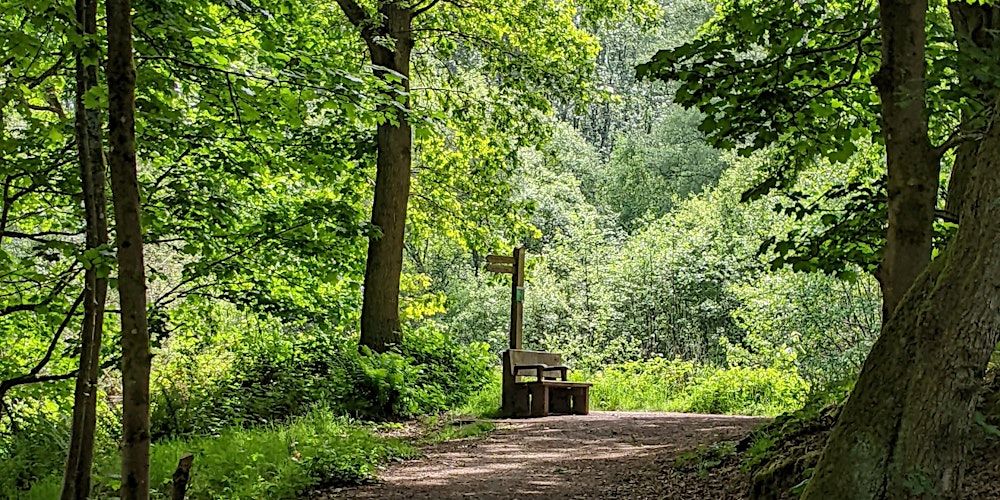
pixel 535 384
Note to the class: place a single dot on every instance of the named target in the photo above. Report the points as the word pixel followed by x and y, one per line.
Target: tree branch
pixel 359 18
pixel 32 375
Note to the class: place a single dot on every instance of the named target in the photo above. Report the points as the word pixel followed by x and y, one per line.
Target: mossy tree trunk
pixel 904 430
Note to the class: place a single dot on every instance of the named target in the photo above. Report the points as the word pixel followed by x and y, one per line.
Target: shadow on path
pixel 601 455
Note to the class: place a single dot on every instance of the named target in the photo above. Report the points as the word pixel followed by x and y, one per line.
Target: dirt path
pixel 602 455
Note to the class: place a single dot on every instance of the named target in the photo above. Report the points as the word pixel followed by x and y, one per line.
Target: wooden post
pixel 514 266
pixel 517 300
pixel 182 475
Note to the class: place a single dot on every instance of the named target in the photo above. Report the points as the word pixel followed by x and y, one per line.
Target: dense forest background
pixel 647 253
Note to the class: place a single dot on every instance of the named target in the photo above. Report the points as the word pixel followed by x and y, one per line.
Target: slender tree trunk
pixel 80 457
pixel 905 427
pixel 380 326
pixel 131 268
pixel 913 167
pixel 976 28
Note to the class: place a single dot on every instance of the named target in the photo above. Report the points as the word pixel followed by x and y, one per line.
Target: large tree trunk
pixel 380 326
pixel 90 149
pixel 913 167
pixel 904 430
pixel 131 269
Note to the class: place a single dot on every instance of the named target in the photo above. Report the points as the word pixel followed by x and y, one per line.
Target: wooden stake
pixel 181 477
pixel 517 301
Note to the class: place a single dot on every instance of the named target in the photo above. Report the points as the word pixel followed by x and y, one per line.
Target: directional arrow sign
pixel 500 268
pixel 500 259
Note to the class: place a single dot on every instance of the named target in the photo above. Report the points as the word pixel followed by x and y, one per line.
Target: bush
pixel 36 449
pixel 276 376
pixel 650 385
pixel 320 449
pixel 674 385
pixel 747 391
pixel 484 403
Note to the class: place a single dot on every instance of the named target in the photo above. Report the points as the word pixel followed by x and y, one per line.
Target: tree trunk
pixel 913 167
pixel 380 326
pixel 904 430
pixel 131 269
pixel 976 28
pixel 90 149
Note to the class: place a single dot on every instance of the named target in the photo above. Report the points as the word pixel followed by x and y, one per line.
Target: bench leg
pixel 539 400
pixel 560 400
pixel 581 401
pixel 520 401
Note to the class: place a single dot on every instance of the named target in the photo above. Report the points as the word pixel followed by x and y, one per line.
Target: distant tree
pixel 515 47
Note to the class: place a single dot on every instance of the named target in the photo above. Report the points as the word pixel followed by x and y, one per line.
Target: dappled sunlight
pixel 557 457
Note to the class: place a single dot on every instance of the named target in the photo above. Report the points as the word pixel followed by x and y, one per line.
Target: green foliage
pixel 655 384
pixel 648 173
pixel 319 449
pixel 460 429
pixel 484 403
pixel 32 453
pixel 663 385
pixel 748 391
pixel 273 375
pixel 659 384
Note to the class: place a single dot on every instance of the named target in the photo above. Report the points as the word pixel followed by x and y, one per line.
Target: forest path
pixel 601 455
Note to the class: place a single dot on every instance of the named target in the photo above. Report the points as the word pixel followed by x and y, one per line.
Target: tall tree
pixel 389 37
pixel 90 152
pixel 131 268
pixel 912 165
pixel 905 428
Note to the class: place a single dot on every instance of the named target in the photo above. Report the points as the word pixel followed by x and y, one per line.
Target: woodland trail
pixel 601 455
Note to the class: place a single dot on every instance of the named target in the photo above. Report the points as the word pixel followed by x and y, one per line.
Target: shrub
pixel 484 403
pixel 320 449
pixel 275 377
pixel 651 385
pixel 748 391
pixel 674 385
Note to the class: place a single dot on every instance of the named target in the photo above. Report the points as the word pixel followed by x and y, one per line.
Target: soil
pixel 601 455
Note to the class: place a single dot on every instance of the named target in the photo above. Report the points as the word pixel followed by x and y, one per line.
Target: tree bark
pixel 976 28
pixel 912 165
pixel 90 151
pixel 390 43
pixel 131 268
pixel 904 429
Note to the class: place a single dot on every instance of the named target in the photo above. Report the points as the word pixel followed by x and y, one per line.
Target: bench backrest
pixel 522 357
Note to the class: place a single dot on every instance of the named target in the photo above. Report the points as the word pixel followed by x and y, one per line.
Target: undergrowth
pixel 671 385
pixel 274 461
pixel 682 386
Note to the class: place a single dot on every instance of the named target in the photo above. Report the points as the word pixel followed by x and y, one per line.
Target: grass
pixel 323 449
pixel 459 429
pixel 671 385
pixel 485 403
pixel 285 461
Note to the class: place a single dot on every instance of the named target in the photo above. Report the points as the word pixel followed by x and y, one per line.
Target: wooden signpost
pixel 514 266
pixel 551 390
